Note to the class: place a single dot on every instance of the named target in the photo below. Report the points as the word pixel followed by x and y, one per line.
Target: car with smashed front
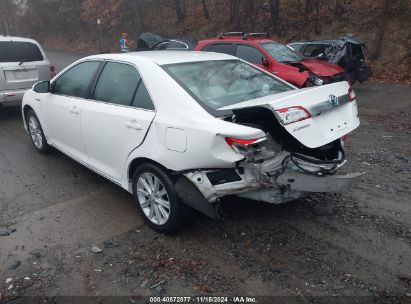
pixel 346 51
pixel 180 130
pixel 275 57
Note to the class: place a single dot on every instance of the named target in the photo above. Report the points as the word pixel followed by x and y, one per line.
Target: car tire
pixel 157 201
pixel 36 133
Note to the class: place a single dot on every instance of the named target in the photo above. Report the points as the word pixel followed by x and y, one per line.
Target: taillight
pixel 236 141
pixel 351 93
pixel 52 71
pixel 252 149
pixel 292 114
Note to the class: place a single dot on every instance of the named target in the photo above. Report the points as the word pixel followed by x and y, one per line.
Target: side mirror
pixel 265 61
pixel 42 87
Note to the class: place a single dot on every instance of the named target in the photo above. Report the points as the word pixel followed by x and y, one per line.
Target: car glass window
pixel 296 46
pixel 16 51
pixel 314 50
pixel 220 83
pixel 225 48
pixel 142 99
pixel 249 53
pixel 281 52
pixel 117 84
pixel 161 46
pixel 176 45
pixel 76 80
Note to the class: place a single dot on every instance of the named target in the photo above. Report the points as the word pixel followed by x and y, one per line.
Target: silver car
pixel 23 62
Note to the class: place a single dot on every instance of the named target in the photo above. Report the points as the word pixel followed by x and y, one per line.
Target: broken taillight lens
pixel 252 149
pixel 292 114
pixel 351 93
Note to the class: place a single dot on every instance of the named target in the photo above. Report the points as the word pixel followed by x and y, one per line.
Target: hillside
pixel 72 25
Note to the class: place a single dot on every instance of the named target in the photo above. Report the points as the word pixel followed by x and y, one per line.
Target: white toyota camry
pixel 179 130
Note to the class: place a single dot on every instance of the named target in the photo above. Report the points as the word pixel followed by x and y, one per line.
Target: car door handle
pixel 133 125
pixel 74 110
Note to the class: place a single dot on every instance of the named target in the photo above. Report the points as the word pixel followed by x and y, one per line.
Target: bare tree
pixel 235 12
pixel 275 12
pixel 385 15
pixel 205 9
pixel 179 10
pixel 140 14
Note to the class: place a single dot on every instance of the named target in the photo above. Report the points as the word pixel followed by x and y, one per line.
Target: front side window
pixel 221 83
pixel 16 51
pixel 250 54
pixel 281 52
pixel 75 81
pixel 117 84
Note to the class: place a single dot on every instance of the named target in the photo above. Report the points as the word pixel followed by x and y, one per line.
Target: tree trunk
pixel 317 28
pixel 6 31
pixel 141 15
pixel 179 11
pixel 309 5
pixel 205 9
pixel 385 15
pixel 275 12
pixel 235 12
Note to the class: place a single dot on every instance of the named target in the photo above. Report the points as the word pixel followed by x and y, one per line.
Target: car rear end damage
pixel 300 153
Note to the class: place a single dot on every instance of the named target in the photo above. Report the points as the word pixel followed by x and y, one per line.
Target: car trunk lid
pixel 331 112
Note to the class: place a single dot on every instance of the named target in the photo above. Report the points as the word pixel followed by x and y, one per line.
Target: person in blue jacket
pixel 124 44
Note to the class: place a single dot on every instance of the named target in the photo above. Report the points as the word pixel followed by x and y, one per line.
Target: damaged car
pixel 275 57
pixel 346 51
pixel 153 42
pixel 180 130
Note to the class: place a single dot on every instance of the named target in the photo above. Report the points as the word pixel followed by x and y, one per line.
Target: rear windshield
pixel 281 52
pixel 221 83
pixel 16 51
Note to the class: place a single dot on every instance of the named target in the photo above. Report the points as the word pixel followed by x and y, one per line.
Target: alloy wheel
pixel 153 198
pixel 35 132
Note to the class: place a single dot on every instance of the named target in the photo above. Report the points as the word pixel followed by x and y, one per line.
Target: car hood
pixel 322 68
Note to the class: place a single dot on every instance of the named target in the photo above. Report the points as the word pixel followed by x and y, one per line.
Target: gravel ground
pixel 345 248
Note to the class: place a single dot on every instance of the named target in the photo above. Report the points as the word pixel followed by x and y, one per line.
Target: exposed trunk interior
pixel 265 119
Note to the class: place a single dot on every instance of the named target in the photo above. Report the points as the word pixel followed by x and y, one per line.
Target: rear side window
pixel 250 54
pixel 76 81
pixel 142 99
pixel 117 84
pixel 16 51
pixel 225 48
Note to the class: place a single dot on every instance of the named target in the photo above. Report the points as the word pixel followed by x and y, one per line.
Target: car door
pixel 251 54
pixel 62 109
pixel 117 120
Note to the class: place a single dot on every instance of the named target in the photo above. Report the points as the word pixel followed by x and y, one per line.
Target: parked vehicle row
pixel 180 130
pixel 303 64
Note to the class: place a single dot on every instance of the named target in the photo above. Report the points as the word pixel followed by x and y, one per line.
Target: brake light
pixel 351 93
pixel 292 114
pixel 236 141
pixel 52 71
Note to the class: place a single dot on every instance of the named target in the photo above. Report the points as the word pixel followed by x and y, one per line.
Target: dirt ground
pixel 353 247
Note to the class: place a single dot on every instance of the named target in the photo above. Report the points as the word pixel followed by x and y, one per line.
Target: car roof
pixel 165 57
pixel 19 39
pixel 249 39
pixel 342 39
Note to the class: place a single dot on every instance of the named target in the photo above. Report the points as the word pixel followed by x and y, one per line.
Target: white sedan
pixel 179 130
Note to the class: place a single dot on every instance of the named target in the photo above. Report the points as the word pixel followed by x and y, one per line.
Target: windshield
pixel 281 52
pixel 223 83
pixel 12 51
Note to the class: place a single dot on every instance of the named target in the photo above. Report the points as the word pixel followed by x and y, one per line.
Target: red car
pixel 274 57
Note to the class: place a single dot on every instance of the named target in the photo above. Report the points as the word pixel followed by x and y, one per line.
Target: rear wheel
pixel 36 132
pixel 157 199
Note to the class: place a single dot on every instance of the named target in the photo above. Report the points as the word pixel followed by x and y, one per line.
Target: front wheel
pixel 157 199
pixel 36 133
